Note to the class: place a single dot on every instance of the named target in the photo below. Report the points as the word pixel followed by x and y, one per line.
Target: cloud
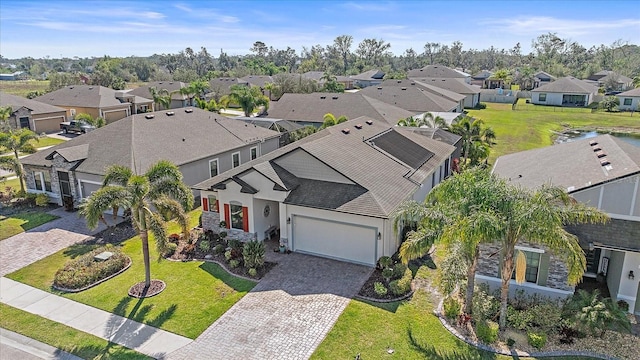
pixel 183 7
pixel 371 6
pixel 566 27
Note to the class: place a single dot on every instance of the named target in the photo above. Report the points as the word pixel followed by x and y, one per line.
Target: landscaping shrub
pixel 204 245
pixel 399 270
pixel 227 255
pixel 623 305
pixel 174 238
pixel 480 106
pixel 234 263
pixel 219 249
pixel 484 306
pixel 387 273
pixel 589 314
pixel 380 289
pixel 384 262
pixel 546 316
pixel 170 249
pixel 510 342
pixel 42 199
pixel 253 272
pixel 402 285
pixel 519 319
pixel 29 198
pixel 253 254
pixel 487 331
pixel 188 250
pixel 451 307
pixel 537 340
pixel 235 246
pixel 84 270
pixel 222 234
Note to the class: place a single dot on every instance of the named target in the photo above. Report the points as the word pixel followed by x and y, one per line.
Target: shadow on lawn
pixel 112 351
pixel 430 352
pixel 236 283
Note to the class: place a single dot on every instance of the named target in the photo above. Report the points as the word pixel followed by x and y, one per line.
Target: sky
pixel 55 28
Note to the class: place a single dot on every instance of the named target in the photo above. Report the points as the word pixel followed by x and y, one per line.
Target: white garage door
pixel 344 241
pixel 88 188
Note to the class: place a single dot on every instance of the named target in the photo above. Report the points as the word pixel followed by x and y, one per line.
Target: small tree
pixel 17 141
pixel 161 97
pixel 610 103
pixel 249 98
pixel 97 122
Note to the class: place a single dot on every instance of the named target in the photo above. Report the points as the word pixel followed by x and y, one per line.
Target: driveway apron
pixel 286 316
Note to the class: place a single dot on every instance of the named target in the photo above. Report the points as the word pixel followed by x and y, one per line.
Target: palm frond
pixel 101 200
pixel 158 227
pixel 174 189
pixel 163 169
pixel 117 174
pixel 174 209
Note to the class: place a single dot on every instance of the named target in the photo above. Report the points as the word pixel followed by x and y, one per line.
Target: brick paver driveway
pixel 286 316
pixel 28 247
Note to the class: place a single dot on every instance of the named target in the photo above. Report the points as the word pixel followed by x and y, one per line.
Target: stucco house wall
pixel 634 106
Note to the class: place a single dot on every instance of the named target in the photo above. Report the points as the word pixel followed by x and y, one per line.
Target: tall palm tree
pixel 476 139
pixel 538 217
pixel 161 97
pixel 249 98
pixel 196 88
pixel 426 120
pixel 5 114
pixel 454 214
pixel 159 191
pixel 17 141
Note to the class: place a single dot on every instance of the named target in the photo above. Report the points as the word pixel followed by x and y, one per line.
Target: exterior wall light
pixel 631 275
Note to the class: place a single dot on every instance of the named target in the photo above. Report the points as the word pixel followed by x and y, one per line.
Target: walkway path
pixel 286 316
pixel 28 247
pixel 120 330
pixel 14 346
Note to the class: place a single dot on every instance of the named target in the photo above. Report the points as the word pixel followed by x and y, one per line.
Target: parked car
pixel 76 126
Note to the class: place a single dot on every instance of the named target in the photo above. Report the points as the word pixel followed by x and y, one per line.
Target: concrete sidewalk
pixel 145 339
pixel 15 346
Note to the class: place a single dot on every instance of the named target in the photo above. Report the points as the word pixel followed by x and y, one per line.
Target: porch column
pixel 284 227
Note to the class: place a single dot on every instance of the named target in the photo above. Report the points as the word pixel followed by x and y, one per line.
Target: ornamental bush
pixel 42 199
pixel 253 254
pixel 451 307
pixel 84 271
pixel 204 245
pixel 170 249
pixel 380 289
pixel 398 270
pixel 537 340
pixel 487 331
pixel 402 285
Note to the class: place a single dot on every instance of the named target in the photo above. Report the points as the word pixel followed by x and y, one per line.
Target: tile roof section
pixel 36 107
pixel 573 165
pixel 88 96
pixel 567 84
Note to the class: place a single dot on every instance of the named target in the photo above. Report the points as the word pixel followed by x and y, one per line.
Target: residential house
pixel 346 81
pixel 434 90
pixel 139 104
pixel 610 80
pixel 542 78
pixel 309 109
pixel 456 85
pixel 439 72
pixel 368 78
pixel 630 100
pixel 33 115
pixel 566 91
pixel 17 75
pixel 178 100
pixel 330 194
pixel 219 87
pixel 97 101
pixel 284 127
pixel 202 144
pixel 410 96
pixel 260 81
pixel 479 78
pixel 603 172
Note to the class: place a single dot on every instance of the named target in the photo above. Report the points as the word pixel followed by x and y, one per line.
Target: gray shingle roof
pixel 567 84
pixel 36 107
pixel 257 80
pixel 410 97
pixel 138 142
pixel 387 181
pixel 454 85
pixel 172 86
pixel 71 154
pixel 435 71
pixel 270 123
pixel 374 74
pixel 313 107
pixel 89 96
pixel 573 165
pixel 632 92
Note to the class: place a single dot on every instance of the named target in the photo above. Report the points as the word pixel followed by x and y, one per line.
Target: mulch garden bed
pixel 367 290
pixel 18 208
pixel 139 291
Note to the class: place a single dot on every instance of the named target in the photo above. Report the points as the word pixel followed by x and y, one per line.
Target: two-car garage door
pixel 338 240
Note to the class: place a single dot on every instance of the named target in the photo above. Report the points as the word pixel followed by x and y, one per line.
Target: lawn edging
pixel 517 353
pixel 223 266
pixel 94 284
pixel 384 301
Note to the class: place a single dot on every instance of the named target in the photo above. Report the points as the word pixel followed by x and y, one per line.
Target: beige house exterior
pixel 36 116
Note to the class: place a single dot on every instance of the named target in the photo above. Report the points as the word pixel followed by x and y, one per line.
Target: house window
pixel 43 180
pixel 213 167
pixel 213 203
pixel 627 102
pixel 542 97
pixel 533 265
pixel 237 217
pixel 254 153
pixel 235 159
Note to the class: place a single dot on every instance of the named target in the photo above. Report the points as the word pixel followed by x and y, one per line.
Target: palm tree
pixel 476 139
pixel 538 217
pixel 249 98
pixel 196 88
pixel 18 141
pixel 161 97
pixel 503 75
pixel 525 78
pixel 454 214
pixel 210 105
pixel 427 120
pixel 97 122
pixel 159 191
pixel 5 114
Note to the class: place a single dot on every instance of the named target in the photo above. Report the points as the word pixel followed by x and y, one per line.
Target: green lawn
pixel 197 292
pixel 534 126
pixel 65 338
pixel 47 141
pixel 21 222
pixel 13 183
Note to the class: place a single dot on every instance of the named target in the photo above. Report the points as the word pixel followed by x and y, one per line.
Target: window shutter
pixel 218 206
pixel 543 269
pixel 227 215
pixel 205 204
pixel 245 219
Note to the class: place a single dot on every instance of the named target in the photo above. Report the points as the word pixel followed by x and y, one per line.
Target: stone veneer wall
pixel 58 164
pixel 490 265
pixel 211 221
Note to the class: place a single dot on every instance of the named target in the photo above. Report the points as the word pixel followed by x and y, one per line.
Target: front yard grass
pixel 63 337
pixel 197 292
pixel 534 127
pixel 21 222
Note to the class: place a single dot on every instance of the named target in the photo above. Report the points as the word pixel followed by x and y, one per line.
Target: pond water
pixel 577 135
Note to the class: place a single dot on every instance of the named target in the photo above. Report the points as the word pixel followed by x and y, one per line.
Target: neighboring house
pixel 33 115
pixel 18 75
pixel 97 101
pixel 439 72
pixel 284 127
pixel 309 109
pixel 411 96
pixel 457 85
pixel 566 91
pixel 630 100
pixel 603 172
pixel 346 81
pixel 173 87
pixel 479 78
pixel 202 144
pixel 330 194
pixel 260 81
pixel 368 78
pixel 542 78
pixel 219 87
pixel 611 80
pixel 139 104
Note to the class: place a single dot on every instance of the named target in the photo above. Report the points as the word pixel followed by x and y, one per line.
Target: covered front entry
pixel 338 240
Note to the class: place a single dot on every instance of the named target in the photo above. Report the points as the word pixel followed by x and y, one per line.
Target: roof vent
pixel 399 81
pixel 369 122
pixel 593 142
pixel 149 116
pixel 323 97
pixel 604 162
pixel 596 148
pixel 403 88
pixel 170 113
pixel 601 154
pixel 379 87
pixel 358 126
pixel 334 98
pixel 346 131
pixel 413 83
pixel 188 111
